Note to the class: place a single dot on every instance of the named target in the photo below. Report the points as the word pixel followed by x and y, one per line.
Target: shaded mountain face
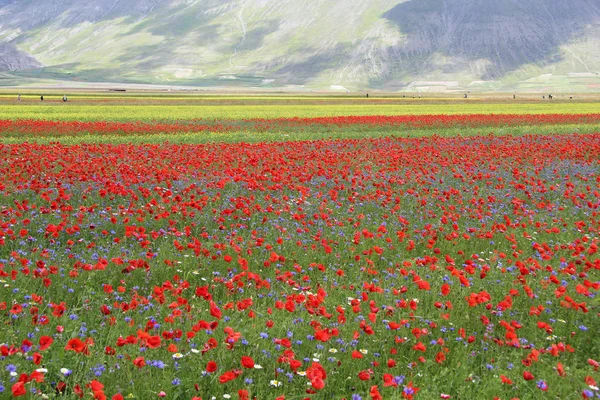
pixel 384 44
pixel 13 59
pixel 506 33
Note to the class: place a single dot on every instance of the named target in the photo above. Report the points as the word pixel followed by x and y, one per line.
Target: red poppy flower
pixel 247 362
pixel 18 389
pixel 139 362
pixel 45 342
pixel 215 311
pixel 445 289
pixel 77 346
pixel 528 376
pixel 211 366
pixel 364 375
pixel 374 393
pixel 227 376
pixel 317 383
pixel 357 354
pixel 95 386
pixel 388 380
pixel 78 391
pixel 153 342
pixel 440 357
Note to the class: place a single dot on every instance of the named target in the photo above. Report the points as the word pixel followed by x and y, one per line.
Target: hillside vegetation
pixel 414 45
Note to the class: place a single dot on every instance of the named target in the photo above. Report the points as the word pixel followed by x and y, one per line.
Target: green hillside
pixel 414 45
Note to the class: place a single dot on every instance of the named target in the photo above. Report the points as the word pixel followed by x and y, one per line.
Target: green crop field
pixel 167 112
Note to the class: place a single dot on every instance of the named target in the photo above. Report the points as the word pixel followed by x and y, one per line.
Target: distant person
pixel 367 95
pixel 65 98
pixel 42 98
pixel 19 98
pixel 514 96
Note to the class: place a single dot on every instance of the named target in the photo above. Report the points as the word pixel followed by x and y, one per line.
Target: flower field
pixel 219 109
pixel 33 128
pixel 385 267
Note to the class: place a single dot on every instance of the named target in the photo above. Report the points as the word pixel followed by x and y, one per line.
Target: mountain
pixel 413 45
pixel 13 59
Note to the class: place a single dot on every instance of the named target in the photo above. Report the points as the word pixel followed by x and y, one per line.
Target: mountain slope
pixel 13 59
pixel 384 44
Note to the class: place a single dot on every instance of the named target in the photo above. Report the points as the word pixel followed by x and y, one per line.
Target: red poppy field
pixel 390 123
pixel 256 130
pixel 386 267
